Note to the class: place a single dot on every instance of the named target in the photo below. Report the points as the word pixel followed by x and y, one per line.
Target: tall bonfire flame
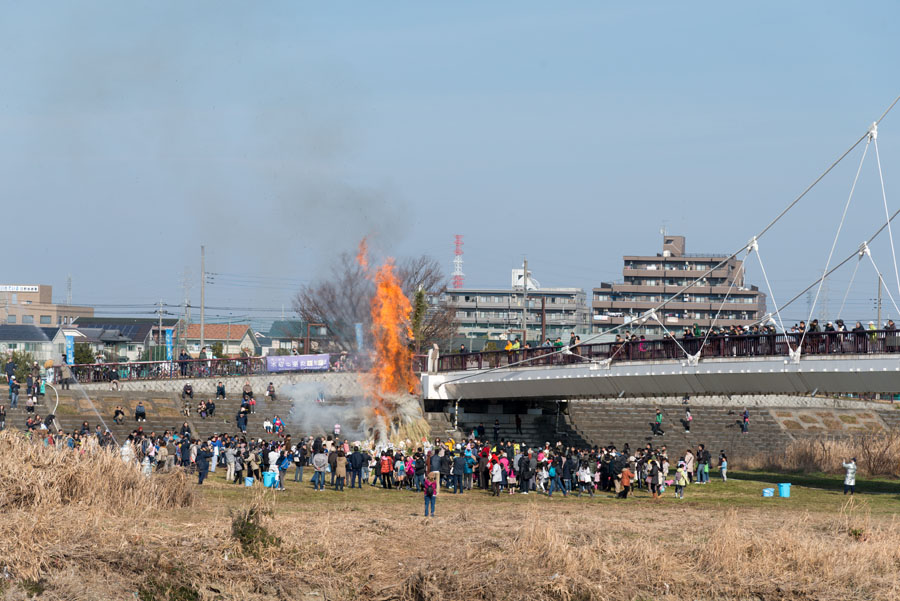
pixel 391 386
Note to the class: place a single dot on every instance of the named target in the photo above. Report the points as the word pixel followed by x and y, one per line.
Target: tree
pixel 24 361
pixel 218 350
pixel 417 321
pixel 340 301
pixel 438 320
pixel 84 354
pixel 344 299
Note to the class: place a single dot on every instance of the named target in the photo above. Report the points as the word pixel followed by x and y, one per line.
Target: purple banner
pixel 298 362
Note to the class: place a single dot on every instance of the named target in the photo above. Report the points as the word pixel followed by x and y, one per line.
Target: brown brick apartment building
pixel 33 304
pixel 649 280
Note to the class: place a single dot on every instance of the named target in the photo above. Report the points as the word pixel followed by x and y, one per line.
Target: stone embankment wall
pixel 334 384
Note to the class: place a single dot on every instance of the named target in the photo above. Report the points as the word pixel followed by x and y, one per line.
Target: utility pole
pixel 159 331
pixel 202 296
pixel 878 319
pixel 525 300
pixel 543 319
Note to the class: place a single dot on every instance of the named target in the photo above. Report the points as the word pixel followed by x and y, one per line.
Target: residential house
pixel 29 339
pixel 234 338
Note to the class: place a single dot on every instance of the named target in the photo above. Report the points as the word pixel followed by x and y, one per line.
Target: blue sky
pixel 279 133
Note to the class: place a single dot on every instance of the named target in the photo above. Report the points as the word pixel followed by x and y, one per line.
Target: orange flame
pixel 392 371
pixel 362 255
pixel 391 311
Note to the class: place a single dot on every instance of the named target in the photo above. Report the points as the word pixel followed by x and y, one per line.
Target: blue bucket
pixel 248 481
pixel 768 492
pixel 270 479
pixel 784 490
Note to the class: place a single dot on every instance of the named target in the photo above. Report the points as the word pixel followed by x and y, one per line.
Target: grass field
pixel 724 541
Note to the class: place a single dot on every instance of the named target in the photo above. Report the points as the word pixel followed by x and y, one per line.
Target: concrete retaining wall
pixel 332 384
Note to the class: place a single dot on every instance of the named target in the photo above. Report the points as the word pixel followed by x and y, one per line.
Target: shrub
pixel 247 529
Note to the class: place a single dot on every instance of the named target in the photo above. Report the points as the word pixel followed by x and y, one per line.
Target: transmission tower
pixel 458 275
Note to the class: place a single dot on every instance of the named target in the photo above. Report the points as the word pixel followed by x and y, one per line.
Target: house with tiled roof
pixel 234 337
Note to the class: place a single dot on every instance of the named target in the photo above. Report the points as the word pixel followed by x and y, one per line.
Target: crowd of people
pixel 730 341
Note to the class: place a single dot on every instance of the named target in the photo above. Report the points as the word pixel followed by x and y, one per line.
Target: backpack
pixel 430 488
pixel 285 463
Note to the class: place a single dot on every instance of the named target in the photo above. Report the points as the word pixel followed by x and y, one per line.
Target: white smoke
pixel 315 410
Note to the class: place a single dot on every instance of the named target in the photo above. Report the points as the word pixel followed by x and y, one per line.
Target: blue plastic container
pixel 270 479
pixel 768 492
pixel 784 490
pixel 248 481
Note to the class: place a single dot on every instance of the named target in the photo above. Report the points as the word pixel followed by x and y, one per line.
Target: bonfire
pixel 392 389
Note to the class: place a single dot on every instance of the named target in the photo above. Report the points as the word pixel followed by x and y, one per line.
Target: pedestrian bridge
pixel 827 363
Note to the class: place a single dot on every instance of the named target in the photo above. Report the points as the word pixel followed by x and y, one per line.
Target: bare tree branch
pixel 344 298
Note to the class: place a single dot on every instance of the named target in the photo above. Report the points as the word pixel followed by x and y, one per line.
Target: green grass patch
pixel 821 481
pixel 820 493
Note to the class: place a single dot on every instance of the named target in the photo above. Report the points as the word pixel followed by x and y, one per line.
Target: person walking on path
pixel 850 476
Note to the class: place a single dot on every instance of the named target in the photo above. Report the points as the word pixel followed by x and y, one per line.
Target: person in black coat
pixel 459 468
pixel 203 457
pixel 356 460
pixel 446 464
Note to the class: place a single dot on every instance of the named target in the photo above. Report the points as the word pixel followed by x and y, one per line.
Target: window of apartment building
pixel 10 318
pixel 28 319
pixel 46 320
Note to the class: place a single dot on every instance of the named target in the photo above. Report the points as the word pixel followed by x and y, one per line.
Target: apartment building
pixel 497 313
pixel 32 304
pixel 648 280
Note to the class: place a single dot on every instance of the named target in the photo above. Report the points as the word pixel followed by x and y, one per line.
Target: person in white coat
pixel 496 479
pixel 850 476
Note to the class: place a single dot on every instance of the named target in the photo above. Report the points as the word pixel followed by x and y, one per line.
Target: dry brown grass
pixel 566 553
pixel 877 454
pixel 47 477
pixel 479 548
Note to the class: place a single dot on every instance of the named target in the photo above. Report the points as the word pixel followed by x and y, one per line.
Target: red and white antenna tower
pixel 458 275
